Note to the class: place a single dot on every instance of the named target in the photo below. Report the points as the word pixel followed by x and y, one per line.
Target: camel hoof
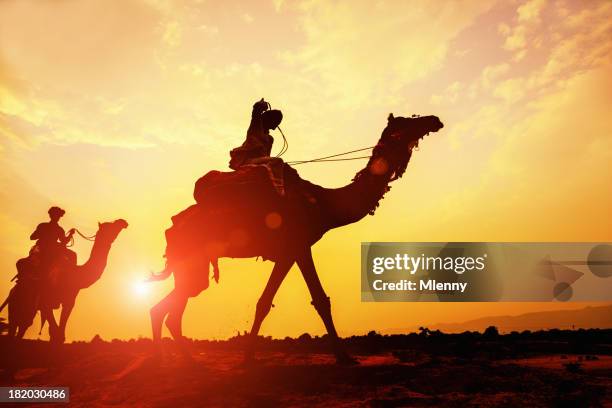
pixel 57 341
pixel 56 336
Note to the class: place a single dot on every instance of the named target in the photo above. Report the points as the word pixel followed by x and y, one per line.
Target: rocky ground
pixel 124 373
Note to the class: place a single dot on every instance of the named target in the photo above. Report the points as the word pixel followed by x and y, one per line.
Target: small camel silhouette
pixel 29 296
pixel 239 215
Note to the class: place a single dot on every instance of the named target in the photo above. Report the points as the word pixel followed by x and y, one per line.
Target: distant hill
pixel 587 318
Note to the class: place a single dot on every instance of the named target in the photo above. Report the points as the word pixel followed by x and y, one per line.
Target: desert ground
pixel 549 368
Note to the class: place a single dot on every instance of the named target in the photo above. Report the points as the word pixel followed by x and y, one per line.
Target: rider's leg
pixel 275 168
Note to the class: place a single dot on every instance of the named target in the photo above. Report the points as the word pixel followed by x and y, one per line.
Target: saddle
pixel 232 185
pixel 226 201
pixel 44 271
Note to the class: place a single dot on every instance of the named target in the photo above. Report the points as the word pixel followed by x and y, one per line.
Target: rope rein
pixel 90 238
pixel 329 160
pixel 285 147
pixel 333 157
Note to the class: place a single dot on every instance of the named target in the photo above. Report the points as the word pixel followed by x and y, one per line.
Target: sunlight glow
pixel 141 288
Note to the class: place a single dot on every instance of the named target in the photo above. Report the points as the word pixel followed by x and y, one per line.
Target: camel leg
pixel 12 330
pixel 158 314
pixel 173 306
pixel 67 307
pixel 21 331
pixel 322 304
pixel 264 304
pixel 175 320
pixel 47 315
pixel 175 316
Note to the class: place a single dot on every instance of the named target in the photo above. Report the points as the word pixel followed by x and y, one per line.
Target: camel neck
pixel 354 201
pixel 351 203
pixel 93 268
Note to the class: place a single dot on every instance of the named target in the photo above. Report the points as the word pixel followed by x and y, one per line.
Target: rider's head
pixel 271 119
pixel 55 213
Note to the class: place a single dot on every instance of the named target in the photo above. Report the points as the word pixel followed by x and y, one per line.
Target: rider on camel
pixel 255 151
pixel 257 148
pixel 51 241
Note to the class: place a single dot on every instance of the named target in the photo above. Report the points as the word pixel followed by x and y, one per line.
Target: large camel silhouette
pixel 239 215
pixel 61 288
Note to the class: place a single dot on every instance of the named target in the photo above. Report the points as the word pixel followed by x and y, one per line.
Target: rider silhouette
pixel 257 147
pixel 51 239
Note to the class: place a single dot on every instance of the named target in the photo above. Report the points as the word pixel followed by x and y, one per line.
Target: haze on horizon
pixel 113 109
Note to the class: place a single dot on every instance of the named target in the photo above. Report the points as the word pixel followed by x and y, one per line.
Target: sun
pixel 141 288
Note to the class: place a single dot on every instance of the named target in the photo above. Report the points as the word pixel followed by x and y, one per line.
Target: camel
pixel 239 215
pixel 30 295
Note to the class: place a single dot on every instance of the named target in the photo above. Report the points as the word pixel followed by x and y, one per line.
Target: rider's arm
pixel 63 237
pixel 36 234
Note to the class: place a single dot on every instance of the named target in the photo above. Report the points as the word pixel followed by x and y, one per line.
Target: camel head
pixel 406 132
pixel 391 155
pixel 108 231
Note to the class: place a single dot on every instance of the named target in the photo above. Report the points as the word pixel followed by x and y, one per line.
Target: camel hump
pixel 230 185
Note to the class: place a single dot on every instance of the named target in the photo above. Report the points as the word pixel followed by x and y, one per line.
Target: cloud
pixel 563 148
pixel 530 11
pixel 511 90
pixel 492 73
pixel 529 137
pixel 83 44
pixel 520 36
pixel 172 34
pixel 364 52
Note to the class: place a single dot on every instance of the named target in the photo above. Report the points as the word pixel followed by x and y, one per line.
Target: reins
pixel 333 157
pixel 90 238
pixel 85 237
pixel 285 147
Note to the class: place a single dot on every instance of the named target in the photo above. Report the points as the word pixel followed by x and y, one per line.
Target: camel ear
pixel 390 117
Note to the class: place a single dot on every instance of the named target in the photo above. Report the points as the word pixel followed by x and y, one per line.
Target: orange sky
pixel 113 108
